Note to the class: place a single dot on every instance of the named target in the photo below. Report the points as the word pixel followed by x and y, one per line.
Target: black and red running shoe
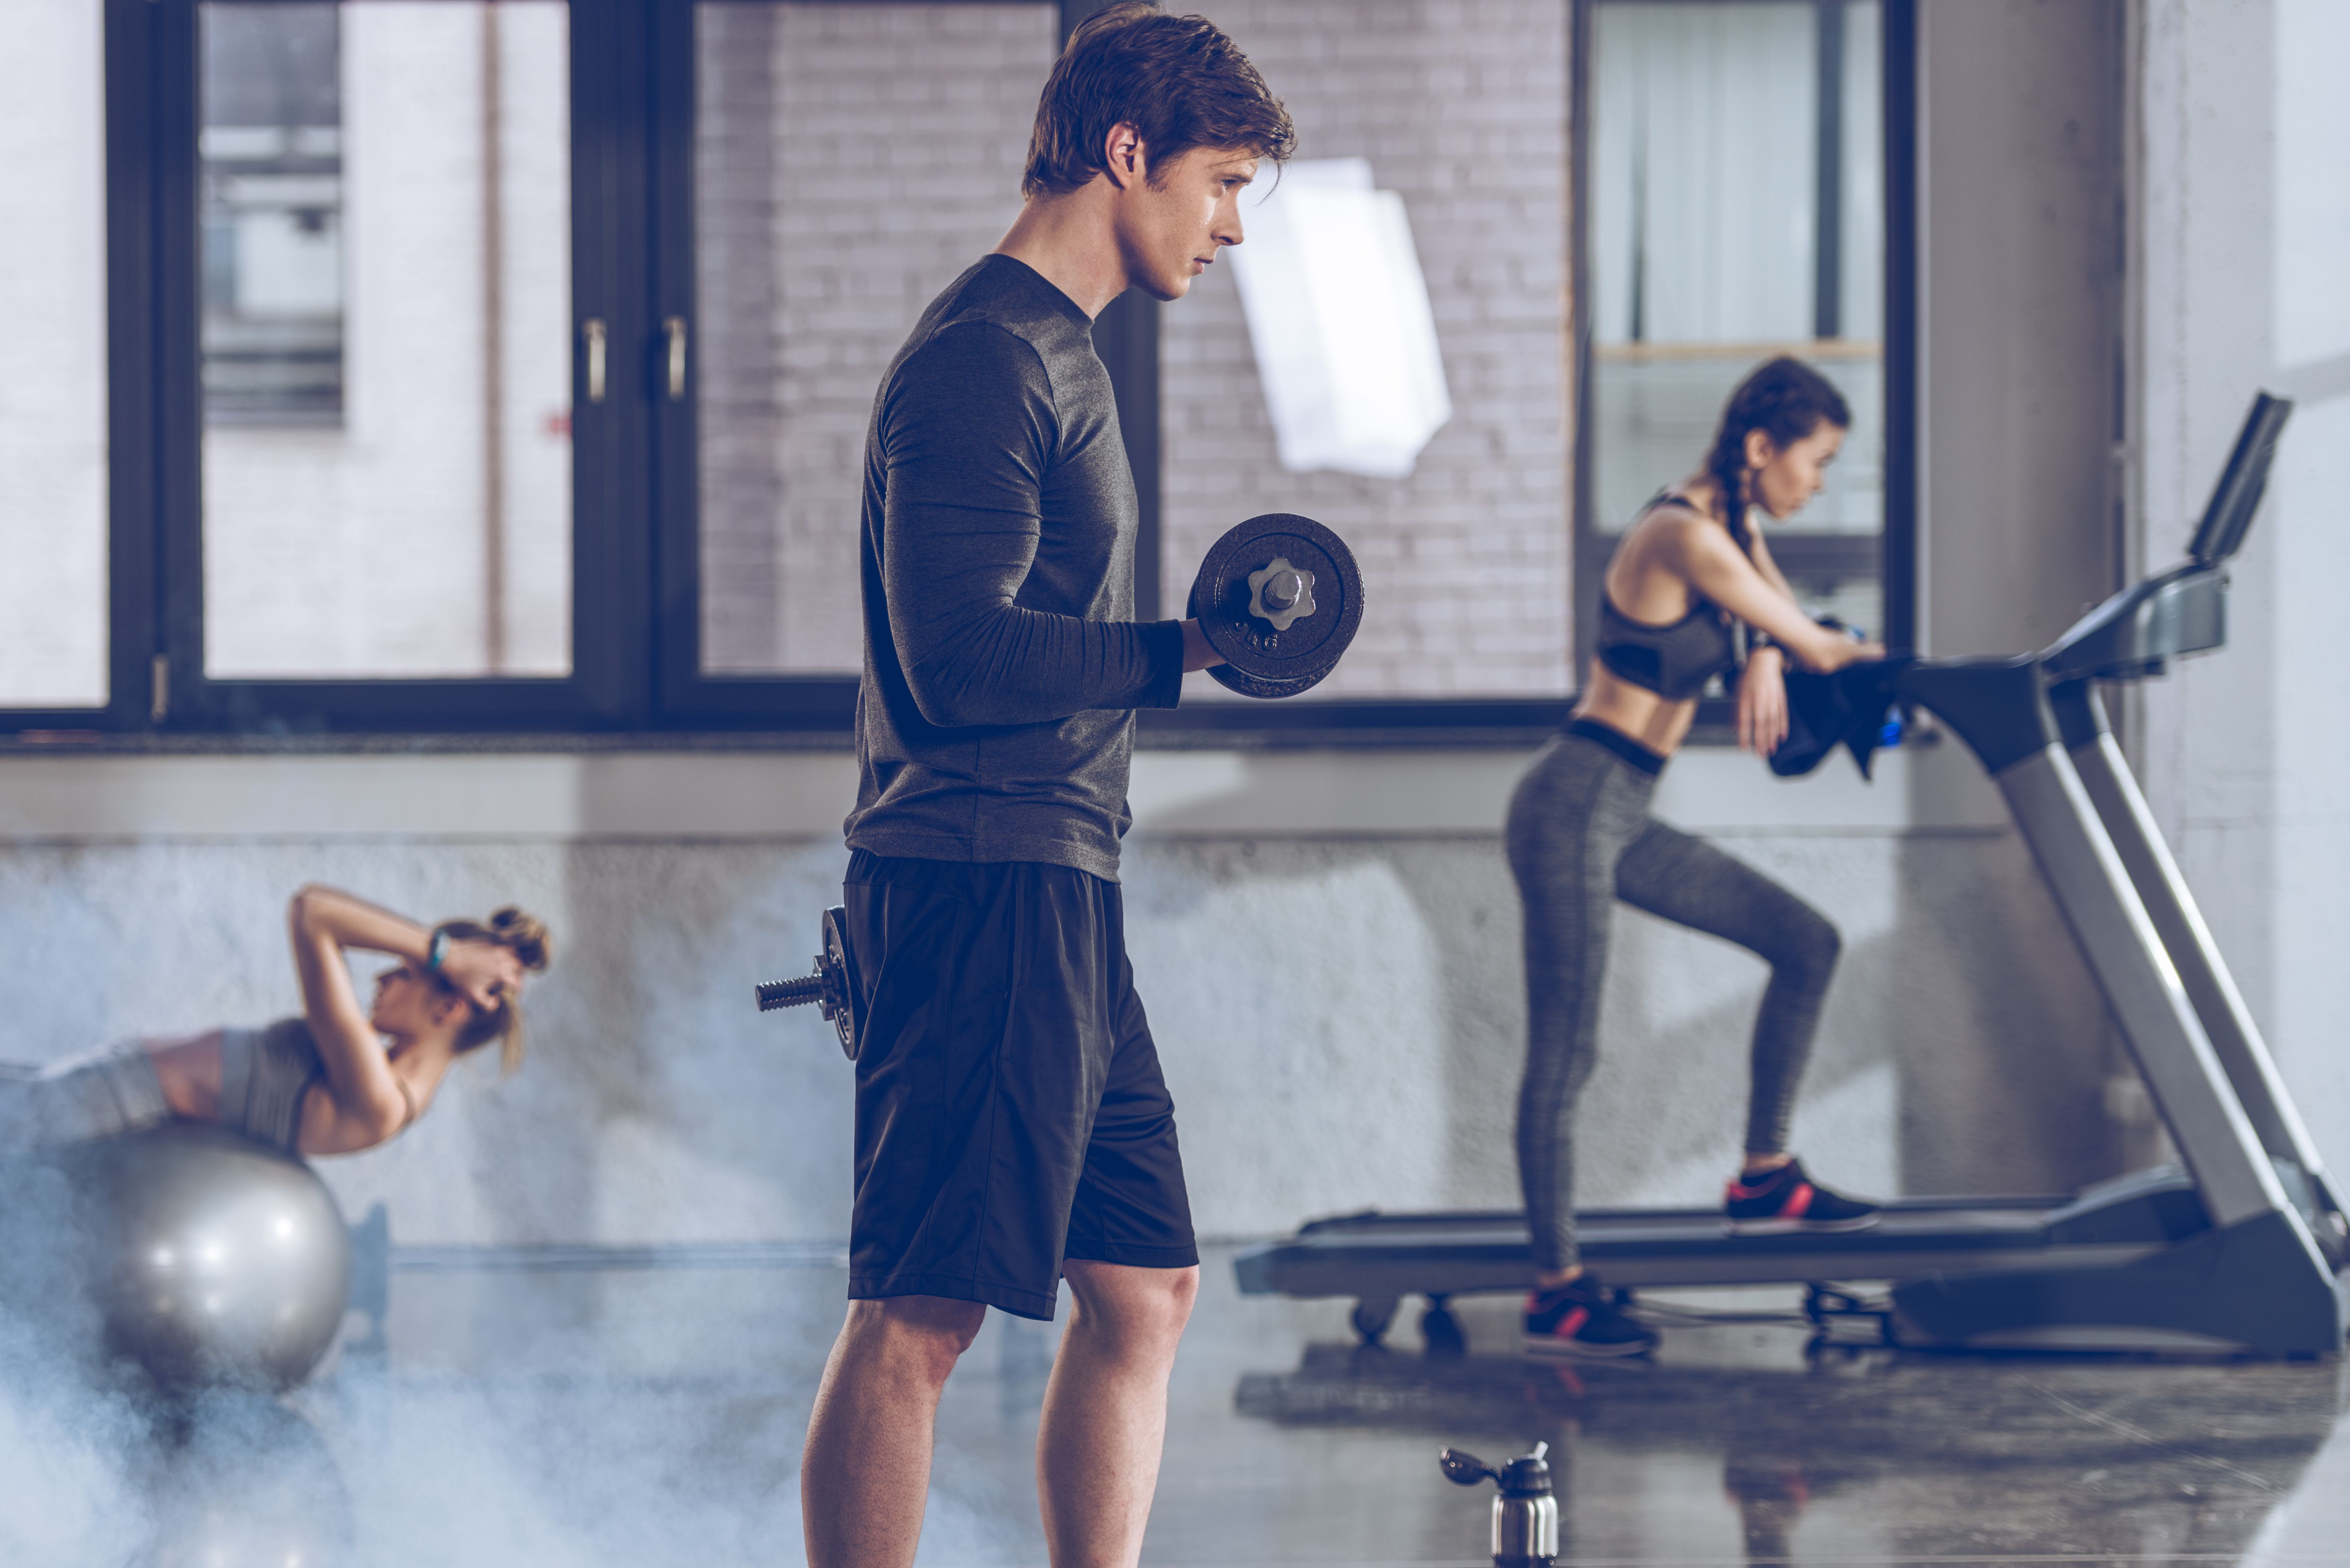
pixel 1580 1318
pixel 1783 1200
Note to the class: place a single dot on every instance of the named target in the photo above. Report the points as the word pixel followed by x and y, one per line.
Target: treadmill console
pixel 2242 482
pixel 2135 633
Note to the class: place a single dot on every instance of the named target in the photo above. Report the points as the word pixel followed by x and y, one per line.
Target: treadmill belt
pixel 1381 1255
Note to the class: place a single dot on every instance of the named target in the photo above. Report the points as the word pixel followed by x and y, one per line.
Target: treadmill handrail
pixel 2170 903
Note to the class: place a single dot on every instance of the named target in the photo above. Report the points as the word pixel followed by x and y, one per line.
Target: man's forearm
pixel 1015 666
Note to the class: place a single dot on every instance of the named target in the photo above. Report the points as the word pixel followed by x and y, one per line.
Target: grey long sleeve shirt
pixel 1002 665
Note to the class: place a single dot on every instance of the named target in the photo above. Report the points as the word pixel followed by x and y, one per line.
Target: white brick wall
pixel 853 160
pixel 1461 106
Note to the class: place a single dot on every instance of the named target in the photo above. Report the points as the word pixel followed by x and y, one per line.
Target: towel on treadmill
pixel 1852 708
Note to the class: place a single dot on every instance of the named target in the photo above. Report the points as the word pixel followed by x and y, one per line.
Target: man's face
pixel 1171 228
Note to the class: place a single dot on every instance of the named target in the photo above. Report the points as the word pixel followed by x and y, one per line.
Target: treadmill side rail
pixel 2167 1040
pixel 2210 989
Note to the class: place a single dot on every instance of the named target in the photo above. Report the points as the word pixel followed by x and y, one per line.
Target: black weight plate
pixel 1225 675
pixel 1310 647
pixel 1233 680
pixel 840 1002
pixel 1312 643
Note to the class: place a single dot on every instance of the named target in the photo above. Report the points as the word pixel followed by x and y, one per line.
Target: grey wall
pixel 2022 311
pixel 2021 202
pixel 2133 218
pixel 2243 219
pixel 2021 334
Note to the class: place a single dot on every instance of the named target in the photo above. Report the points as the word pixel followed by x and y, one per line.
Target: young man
pixel 1011 1122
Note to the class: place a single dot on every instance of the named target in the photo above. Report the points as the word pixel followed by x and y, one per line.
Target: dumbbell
pixel 831 987
pixel 1280 597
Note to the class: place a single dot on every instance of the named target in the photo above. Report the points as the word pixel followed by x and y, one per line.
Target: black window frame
pixel 152 160
pixel 1895 548
pixel 636 558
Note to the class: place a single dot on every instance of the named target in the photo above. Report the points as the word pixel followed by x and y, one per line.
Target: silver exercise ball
pixel 212 1261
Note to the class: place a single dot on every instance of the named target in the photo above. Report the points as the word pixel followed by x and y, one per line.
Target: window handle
pixel 592 330
pixel 675 328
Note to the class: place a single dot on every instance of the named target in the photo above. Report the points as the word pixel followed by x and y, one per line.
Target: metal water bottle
pixel 1525 1513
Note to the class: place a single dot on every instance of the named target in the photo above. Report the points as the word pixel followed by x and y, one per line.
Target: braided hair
pixel 1785 398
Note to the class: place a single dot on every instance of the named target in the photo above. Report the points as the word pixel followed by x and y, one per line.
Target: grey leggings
pixel 101 1094
pixel 1579 838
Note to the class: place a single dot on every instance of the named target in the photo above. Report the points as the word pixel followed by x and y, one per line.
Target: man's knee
pixel 924 1335
pixel 1144 1306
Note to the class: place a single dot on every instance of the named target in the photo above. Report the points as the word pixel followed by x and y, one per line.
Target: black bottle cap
pixel 1528 1475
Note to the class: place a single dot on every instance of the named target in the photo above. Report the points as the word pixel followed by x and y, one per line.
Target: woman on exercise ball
pixel 341 1077
pixel 1690 574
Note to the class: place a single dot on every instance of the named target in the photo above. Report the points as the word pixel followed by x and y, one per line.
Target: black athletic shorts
pixel 1010 1110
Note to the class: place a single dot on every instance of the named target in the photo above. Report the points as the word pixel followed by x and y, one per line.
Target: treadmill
pixel 2240 1249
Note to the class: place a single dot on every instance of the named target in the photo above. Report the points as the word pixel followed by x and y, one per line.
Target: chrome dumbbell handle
pixel 798 993
pixel 832 987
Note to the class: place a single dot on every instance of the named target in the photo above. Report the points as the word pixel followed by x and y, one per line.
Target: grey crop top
pixel 1674 661
pixel 265 1076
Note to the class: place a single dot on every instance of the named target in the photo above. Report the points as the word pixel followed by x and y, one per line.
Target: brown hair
pixel 525 937
pixel 1179 81
pixel 1785 398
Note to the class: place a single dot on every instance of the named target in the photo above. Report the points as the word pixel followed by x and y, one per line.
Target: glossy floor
pixel 574 1412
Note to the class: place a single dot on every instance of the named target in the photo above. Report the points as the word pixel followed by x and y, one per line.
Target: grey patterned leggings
pixel 102 1094
pixel 1579 838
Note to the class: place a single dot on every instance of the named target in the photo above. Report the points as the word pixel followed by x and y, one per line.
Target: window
pixel 387 446
pixel 1736 209
pixel 54 440
pixel 270 147
pixel 505 364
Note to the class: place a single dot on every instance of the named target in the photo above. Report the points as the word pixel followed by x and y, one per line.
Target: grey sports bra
pixel 265 1074
pixel 1674 661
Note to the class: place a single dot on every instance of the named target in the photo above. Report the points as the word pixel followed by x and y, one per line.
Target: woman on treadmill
pixel 1687 578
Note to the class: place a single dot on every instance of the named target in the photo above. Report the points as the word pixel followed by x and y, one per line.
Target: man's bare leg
pixel 1106 1410
pixel 869 1442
